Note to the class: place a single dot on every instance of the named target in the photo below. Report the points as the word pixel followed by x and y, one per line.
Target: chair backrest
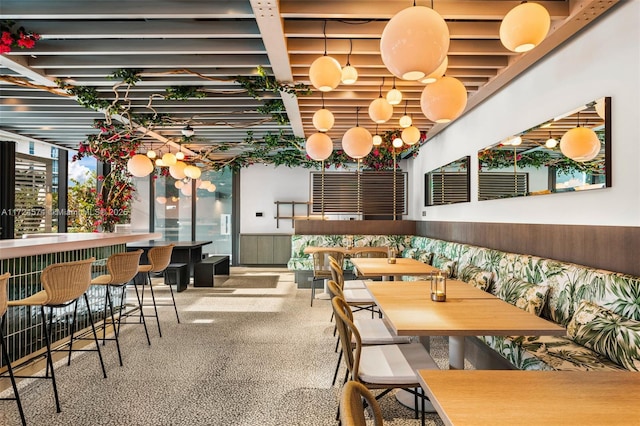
pixel 123 266
pixel 66 281
pixel 348 335
pixel 337 275
pixel 352 408
pixel 160 257
pixel 334 289
pixel 321 263
pixel 4 282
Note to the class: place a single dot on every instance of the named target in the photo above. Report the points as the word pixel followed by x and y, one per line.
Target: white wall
pixel 603 60
pixel 260 187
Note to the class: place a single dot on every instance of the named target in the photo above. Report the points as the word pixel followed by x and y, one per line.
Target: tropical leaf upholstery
pixel 524 295
pixel 477 277
pixel 567 285
pixel 446 265
pixel 607 333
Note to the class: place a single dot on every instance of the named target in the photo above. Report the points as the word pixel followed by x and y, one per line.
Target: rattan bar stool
pixel 159 259
pixel 122 267
pixel 4 282
pixel 63 284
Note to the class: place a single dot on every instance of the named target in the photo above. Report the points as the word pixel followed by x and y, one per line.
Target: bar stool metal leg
pixel 95 334
pixel 47 337
pixel 153 298
pixel 5 354
pixel 113 324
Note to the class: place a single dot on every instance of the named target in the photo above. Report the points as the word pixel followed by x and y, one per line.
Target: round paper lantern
pixel 357 142
pixel 204 184
pixel 443 100
pixel 524 27
pixel 192 172
pixel 414 42
pixel 380 110
pixel 178 184
pixel 551 143
pixel 169 159
pixel 394 96
pixel 438 73
pixel 405 121
pixel 151 154
pixel 211 188
pixel 161 200
pixel 411 135
pixel 140 165
pixel 580 144
pixel 377 140
pixel 325 73
pixel 177 170
pixel 179 155
pixel 319 146
pixel 323 120
pixel 159 162
pixel 349 75
pixel 397 143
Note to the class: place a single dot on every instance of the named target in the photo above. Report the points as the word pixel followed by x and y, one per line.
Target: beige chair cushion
pixel 358 296
pixel 374 331
pixel 354 284
pixel 394 364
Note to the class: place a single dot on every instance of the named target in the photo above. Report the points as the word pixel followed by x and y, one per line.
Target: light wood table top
pixel 346 251
pixel 409 311
pixel 372 267
pixel 514 397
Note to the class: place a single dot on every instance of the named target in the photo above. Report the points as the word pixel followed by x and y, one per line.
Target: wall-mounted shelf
pixel 293 216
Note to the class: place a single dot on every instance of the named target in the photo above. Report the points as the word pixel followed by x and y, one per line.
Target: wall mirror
pixel 448 184
pixel 571 152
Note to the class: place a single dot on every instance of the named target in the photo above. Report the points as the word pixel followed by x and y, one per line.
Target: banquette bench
pixel 600 309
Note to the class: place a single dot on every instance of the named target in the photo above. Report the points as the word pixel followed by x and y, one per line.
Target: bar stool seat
pixel 63 284
pixel 122 268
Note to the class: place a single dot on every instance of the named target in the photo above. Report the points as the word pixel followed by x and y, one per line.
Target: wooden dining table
pixel 409 311
pixel 378 267
pixel 532 398
pixel 347 251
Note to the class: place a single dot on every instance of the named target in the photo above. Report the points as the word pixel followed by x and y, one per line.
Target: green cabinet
pixel 265 249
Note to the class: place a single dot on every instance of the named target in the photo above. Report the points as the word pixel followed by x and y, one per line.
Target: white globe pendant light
pixel 169 159
pixel 159 162
pixel 323 120
pixel 357 142
pixel 151 154
pixel 443 100
pixel 524 27
pixel 177 170
pixel 397 142
pixel 211 188
pixel 319 146
pixel 438 73
pixel 140 165
pixel 551 143
pixel 414 42
pixel 580 144
pixel 380 110
pixel 411 135
pixel 394 96
pixel 406 120
pixel 178 184
pixel 325 73
pixel 377 139
pixel 192 172
pixel 349 73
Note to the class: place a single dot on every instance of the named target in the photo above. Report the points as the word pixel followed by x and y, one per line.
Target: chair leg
pixel 73 330
pixel 113 324
pixel 335 374
pixel 47 336
pixel 313 291
pixel 5 354
pixel 337 344
pixel 155 308
pixel 95 335
pixel 174 302
pixel 144 323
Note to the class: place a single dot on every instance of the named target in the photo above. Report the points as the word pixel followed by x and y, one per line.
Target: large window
pixel 173 209
pixel 213 212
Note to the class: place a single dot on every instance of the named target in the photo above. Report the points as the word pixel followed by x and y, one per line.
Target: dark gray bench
pixel 205 270
pixel 178 274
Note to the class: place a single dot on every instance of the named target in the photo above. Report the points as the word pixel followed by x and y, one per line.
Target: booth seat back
pixel 301 261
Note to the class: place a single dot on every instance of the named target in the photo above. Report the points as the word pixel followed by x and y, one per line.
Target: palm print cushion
pixel 607 333
pixel 477 277
pixel 524 295
pixel 444 264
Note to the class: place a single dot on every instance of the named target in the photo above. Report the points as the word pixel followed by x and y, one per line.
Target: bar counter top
pixel 10 249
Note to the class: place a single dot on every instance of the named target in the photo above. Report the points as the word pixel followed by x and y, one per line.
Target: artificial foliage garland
pixel 12 37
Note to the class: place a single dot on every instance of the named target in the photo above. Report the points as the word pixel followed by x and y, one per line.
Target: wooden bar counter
pixel 26 258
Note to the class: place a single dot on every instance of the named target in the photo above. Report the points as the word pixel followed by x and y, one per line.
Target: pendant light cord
pixel 381 86
pixel 324 33
pixel 357 114
pixel 322 95
pixel 350 51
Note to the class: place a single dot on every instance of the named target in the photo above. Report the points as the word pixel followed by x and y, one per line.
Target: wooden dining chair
pixel 385 367
pixel 357 297
pixel 4 282
pixel 352 407
pixel 346 284
pixel 322 267
pixel 373 331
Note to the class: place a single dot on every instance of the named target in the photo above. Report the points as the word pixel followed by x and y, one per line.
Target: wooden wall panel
pixel 355 227
pixel 614 248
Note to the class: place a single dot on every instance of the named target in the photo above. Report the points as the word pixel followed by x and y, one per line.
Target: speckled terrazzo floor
pixel 256 356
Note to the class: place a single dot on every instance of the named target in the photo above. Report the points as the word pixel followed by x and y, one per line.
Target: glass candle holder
pixel 438 288
pixel 391 255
